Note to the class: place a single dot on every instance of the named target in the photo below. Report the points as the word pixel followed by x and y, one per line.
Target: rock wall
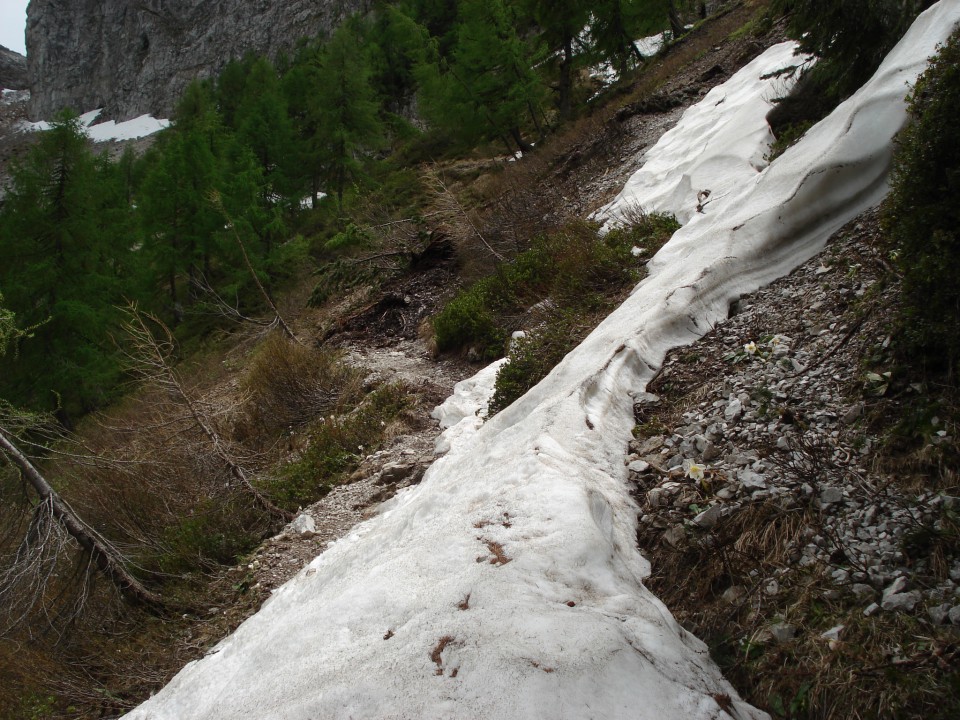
pixel 136 56
pixel 13 70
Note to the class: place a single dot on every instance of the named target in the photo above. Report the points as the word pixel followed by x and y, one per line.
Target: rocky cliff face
pixel 13 70
pixel 136 56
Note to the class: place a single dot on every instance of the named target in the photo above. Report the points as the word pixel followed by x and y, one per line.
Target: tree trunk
pixel 105 557
pixel 676 27
pixel 564 104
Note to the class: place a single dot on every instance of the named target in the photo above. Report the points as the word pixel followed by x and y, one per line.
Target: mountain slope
pixel 133 58
pixel 507 584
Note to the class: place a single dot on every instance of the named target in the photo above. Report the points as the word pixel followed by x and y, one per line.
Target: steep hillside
pixel 696 487
pixel 507 584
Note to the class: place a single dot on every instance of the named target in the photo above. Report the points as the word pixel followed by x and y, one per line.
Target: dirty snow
pixel 507 584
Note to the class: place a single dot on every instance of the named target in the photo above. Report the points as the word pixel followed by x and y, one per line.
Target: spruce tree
pixel 489 88
pixel 560 23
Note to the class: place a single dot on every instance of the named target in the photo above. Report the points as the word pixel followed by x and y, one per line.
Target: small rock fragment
pixel 782 632
pixel 901 602
pixel 675 535
pixel 708 518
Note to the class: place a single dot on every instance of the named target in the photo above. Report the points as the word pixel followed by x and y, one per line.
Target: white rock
pixel 782 632
pixel 897 586
pixel 831 495
pixel 638 466
pixel 833 633
pixel 304 526
pixel 954 615
pixel 939 614
pixel 658 497
pixel 751 480
pixel 901 602
pixel 871 609
pixel 733 411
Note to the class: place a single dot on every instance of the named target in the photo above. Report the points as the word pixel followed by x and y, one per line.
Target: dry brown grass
pixel 288 385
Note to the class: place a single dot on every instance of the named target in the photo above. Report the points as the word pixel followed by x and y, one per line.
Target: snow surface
pixel 507 584
pixel 133 129
pixel 718 146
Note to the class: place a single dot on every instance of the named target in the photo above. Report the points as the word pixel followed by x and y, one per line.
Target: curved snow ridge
pixel 507 585
pixel 718 145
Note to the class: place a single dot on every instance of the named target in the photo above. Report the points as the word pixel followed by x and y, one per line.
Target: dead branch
pixel 151 361
pixel 36 556
pixel 456 217
pixel 278 318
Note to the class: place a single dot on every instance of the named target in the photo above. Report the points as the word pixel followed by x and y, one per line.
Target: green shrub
pixel 576 267
pixel 216 533
pixel 337 445
pixel 531 358
pixel 921 216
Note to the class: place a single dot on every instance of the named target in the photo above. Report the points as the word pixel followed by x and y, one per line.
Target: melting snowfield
pixel 133 129
pixel 507 585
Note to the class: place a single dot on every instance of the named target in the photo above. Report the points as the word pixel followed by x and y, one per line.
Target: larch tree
pixel 66 245
pixel 348 124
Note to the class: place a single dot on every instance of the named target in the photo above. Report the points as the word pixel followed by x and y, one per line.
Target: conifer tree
pixel 560 24
pixel 489 88
pixel 66 264
pixel 179 222
pixel 348 125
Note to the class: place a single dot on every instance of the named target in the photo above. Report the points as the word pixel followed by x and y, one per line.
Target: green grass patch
pixel 337 444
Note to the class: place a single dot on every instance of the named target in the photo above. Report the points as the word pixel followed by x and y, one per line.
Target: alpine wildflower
pixel 694 470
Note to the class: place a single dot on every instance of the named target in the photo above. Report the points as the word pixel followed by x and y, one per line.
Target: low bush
pixel 289 384
pixel 532 357
pixel 337 444
pixel 576 268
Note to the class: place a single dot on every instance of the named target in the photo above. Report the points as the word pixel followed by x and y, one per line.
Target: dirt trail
pixel 399 464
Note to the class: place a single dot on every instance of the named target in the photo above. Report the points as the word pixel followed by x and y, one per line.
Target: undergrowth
pixel 573 270
pixel 335 446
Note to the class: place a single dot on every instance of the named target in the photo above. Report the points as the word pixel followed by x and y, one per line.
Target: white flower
pixel 694 471
pixel 750 348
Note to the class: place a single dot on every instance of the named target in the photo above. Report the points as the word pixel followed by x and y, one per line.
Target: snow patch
pixel 718 146
pixel 507 584
pixel 110 130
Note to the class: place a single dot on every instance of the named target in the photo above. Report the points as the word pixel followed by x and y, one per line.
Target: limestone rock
pixel 304 526
pixel 133 58
pixel 901 602
pixel 13 70
pixel 708 518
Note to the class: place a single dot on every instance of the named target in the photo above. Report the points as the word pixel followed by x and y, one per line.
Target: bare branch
pixel 154 356
pixel 42 546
